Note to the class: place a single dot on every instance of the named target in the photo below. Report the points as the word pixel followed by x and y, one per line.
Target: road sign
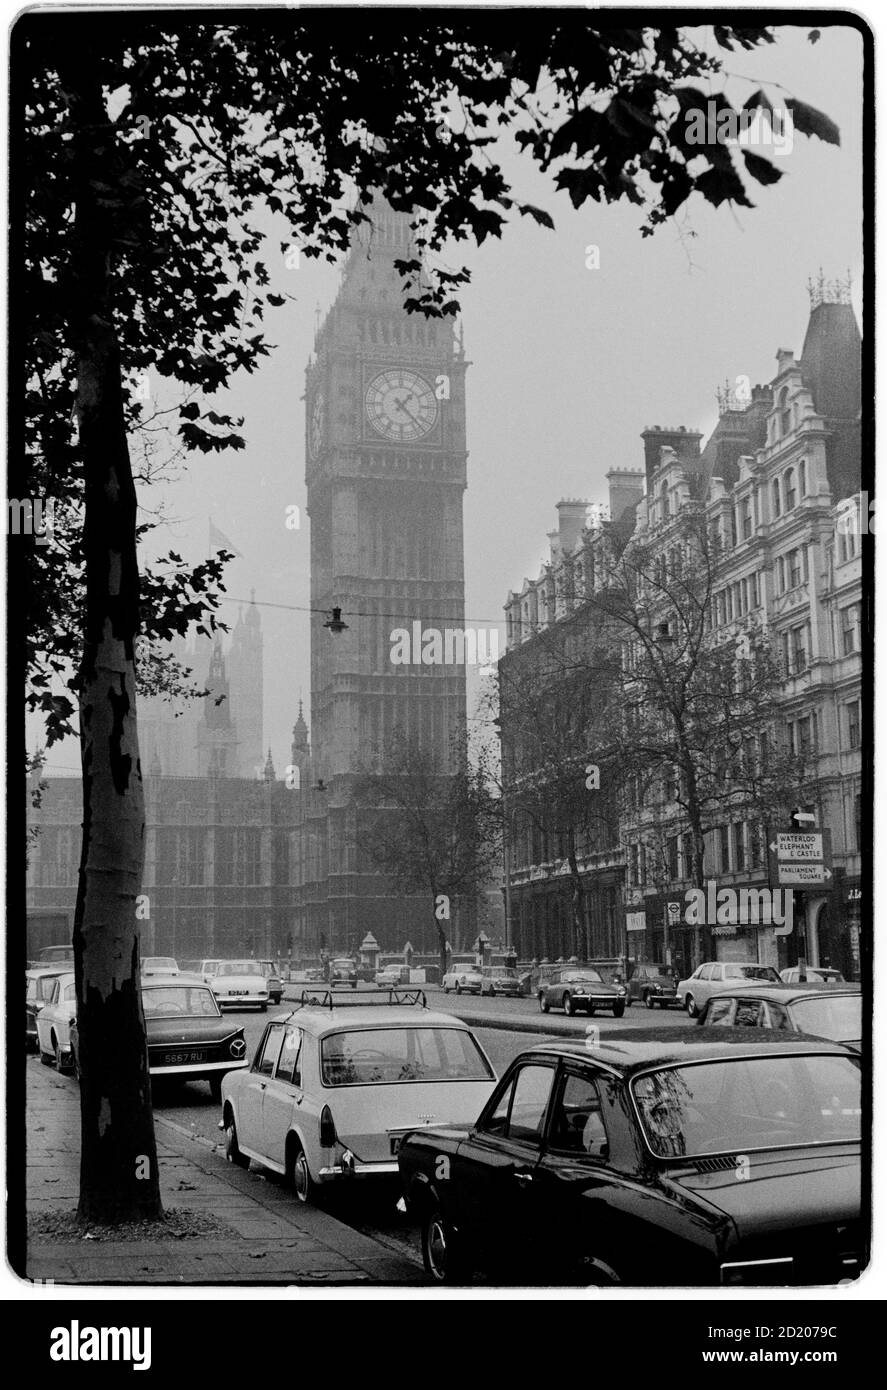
pixel 801 859
pixel 635 921
pixel 674 912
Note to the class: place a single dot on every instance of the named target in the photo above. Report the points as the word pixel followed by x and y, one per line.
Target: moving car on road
pixel 572 990
pixel 710 977
pixel 500 980
pixel 653 983
pixel 389 975
pixel 343 971
pixel 240 984
pixel 334 1085
pixel 686 1162
pixel 463 978
pixel 54 1024
pixel 834 1013
pixel 812 975
pixel 39 984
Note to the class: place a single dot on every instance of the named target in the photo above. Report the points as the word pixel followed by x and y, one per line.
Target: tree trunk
pixel 119 1179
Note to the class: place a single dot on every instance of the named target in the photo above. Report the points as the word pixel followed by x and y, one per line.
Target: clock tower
pixel 385 472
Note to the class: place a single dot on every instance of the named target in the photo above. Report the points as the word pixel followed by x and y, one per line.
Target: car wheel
pixel 458 988
pixel 232 1148
pixel 215 1087
pixel 263 1008
pixel 62 1066
pixel 47 1058
pixel 629 1001
pixel 618 1010
pixel 690 1006
pixel 568 1005
pixel 544 1005
pixel 300 1175
pixel 649 1000
pixel 440 1249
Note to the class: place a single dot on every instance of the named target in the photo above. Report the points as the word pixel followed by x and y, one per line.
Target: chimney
pixel 626 489
pixel 684 442
pixel 570 521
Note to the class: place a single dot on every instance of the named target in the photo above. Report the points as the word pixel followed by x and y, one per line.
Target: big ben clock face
pixel 400 405
pixel 315 428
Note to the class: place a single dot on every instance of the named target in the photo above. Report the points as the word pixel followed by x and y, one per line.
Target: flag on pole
pixel 219 541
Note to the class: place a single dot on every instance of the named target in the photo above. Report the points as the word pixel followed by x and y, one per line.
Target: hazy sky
pixel 568 364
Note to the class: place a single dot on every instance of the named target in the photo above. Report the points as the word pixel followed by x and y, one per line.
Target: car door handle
pixel 523 1177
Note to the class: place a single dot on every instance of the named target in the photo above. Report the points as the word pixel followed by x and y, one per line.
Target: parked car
pixel 812 975
pixel 573 989
pixel 680 1162
pixel 343 971
pixel 55 955
pixel 274 980
pixel 463 978
pixel 159 965
pixel 240 984
pixel 54 1024
pixel 204 968
pixel 653 983
pixel 500 980
pixel 335 1084
pixel 188 1040
pixel 39 983
pixel 390 975
pixel 712 976
pixel 834 1013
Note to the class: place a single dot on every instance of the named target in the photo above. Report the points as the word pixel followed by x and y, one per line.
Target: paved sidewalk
pixel 267 1236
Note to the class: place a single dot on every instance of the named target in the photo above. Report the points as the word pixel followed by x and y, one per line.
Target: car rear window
pixel 385 1056
pixel 183 1001
pixel 836 1017
pixel 240 967
pixel 735 1105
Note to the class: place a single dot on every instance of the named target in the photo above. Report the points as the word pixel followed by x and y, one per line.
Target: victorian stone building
pixel 779 481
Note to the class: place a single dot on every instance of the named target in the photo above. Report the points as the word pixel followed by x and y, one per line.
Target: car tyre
pixel 441 1256
pixel 618 1010
pixel 458 988
pixel 544 1005
pixel 301 1180
pixel 232 1148
pixel 690 1006
pixel 47 1058
pixel 215 1088
pixel 649 1000
pixel 62 1067
pixel 568 1005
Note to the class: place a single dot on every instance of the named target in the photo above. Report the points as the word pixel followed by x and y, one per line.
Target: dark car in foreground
pixel 572 990
pixel 834 1013
pixel 713 1158
pixel 653 983
pixel 188 1037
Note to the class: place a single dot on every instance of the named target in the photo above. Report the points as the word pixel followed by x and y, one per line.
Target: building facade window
pixel 789 491
pixel 802 477
pixel 777 508
pixel 746 523
pixel 738 846
pixel 850 636
pixel 724 848
pixel 853 724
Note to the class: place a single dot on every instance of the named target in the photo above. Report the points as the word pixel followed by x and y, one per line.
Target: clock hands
pixel 402 406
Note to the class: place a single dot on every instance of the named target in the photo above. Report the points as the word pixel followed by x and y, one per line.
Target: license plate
pixel 174 1059
pixel 232 992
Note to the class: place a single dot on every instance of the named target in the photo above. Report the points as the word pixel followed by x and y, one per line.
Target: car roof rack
pixel 337 998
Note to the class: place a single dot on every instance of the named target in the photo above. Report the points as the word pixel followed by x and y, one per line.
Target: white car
pixel 335 1085
pixel 159 965
pixel 54 1024
pixel 813 975
pixel 712 976
pixel 205 968
pixel 240 984
pixel 463 978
